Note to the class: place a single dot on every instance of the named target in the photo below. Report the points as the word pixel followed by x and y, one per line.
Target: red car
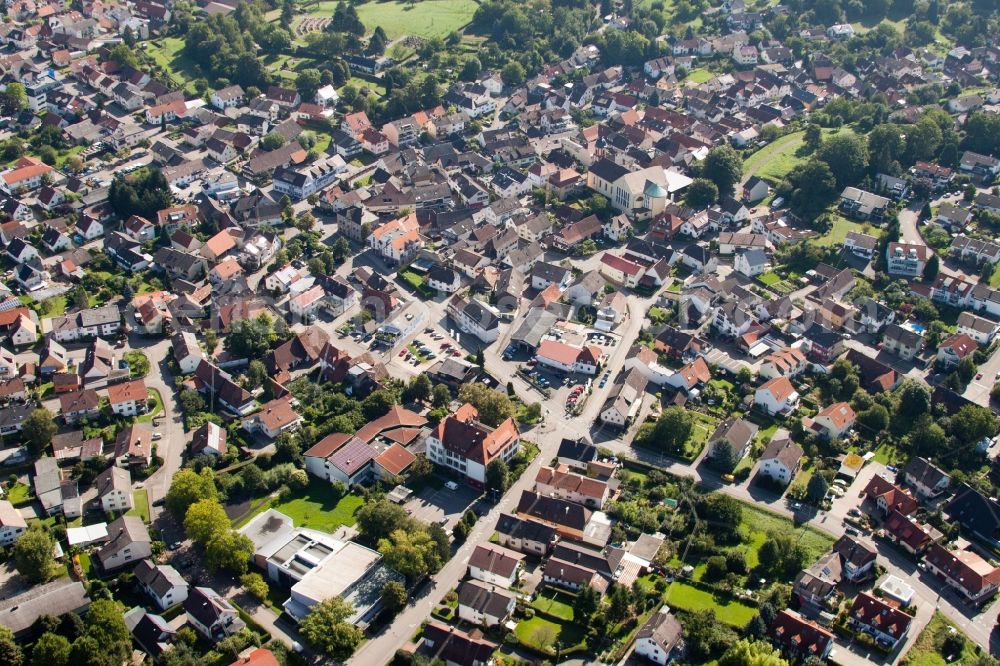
pixel 402 353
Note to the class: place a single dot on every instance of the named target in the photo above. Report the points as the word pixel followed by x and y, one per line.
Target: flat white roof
pixel 86 534
pixel 335 575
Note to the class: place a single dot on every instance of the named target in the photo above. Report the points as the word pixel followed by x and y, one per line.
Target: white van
pixel 451 485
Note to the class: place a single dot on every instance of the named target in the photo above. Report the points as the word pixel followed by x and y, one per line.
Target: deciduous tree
pixel 33 554
pixel 327 629
pixel 188 487
pixel 724 167
pixel 38 429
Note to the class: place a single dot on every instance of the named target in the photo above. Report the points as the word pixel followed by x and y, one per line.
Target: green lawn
pixel 427 19
pixel 542 634
pixel 728 611
pixel 888 454
pixel 18 494
pixel 85 564
pixel 769 278
pixel 995 277
pixel 838 231
pixel 154 395
pixel 166 53
pixel 53 307
pixel 700 75
pixel 925 651
pixel 140 505
pixel 704 426
pixel 315 507
pixel 757 523
pixel 777 159
pixel 556 604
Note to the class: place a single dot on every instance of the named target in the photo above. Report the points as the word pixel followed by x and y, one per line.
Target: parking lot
pixel 441 505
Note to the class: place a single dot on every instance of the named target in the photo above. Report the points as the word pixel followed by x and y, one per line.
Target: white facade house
pixel 495 565
pixel 776 396
pixel 660 639
pixel 12 524
pixel 162 583
pixel 781 458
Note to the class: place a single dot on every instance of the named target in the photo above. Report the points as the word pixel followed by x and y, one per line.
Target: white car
pixel 157 435
pixel 451 485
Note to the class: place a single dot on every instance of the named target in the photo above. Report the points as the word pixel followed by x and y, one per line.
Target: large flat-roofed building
pixel 315 566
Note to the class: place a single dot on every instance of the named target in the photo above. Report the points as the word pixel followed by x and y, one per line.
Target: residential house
pixel 781 459
pixel 79 405
pixel 462 443
pixel 964 571
pixel 977 514
pixel 776 396
pixel 495 565
pixel 889 497
pixel 114 490
pixel 908 533
pixel 980 329
pixel 833 421
pixel 211 614
pixel 563 484
pixel 906 259
pixel 738 433
pixel 484 605
pixel 456 647
pixel 128 398
pixel 954 348
pixel 799 637
pixel 209 439
pixel 134 446
pixel 751 263
pixel 128 542
pixel 275 417
pixel 162 583
pixel 569 519
pixel 12 524
pixel 862 245
pixel 660 638
pixel 954 217
pixel 863 205
pixel 525 536
pixel 926 478
pixel 902 342
pixel 881 620
pixel 785 362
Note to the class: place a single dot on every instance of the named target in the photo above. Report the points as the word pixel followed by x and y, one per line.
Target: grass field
pixel 166 52
pixel 838 232
pixel 427 19
pixel 316 507
pixel 704 425
pixel 18 494
pixel 758 523
pixel 777 159
pixel 995 277
pixel 729 611
pixel 542 634
pixel 140 505
pixel 700 75
pixel 924 651
pixel 148 417
pixel 556 604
